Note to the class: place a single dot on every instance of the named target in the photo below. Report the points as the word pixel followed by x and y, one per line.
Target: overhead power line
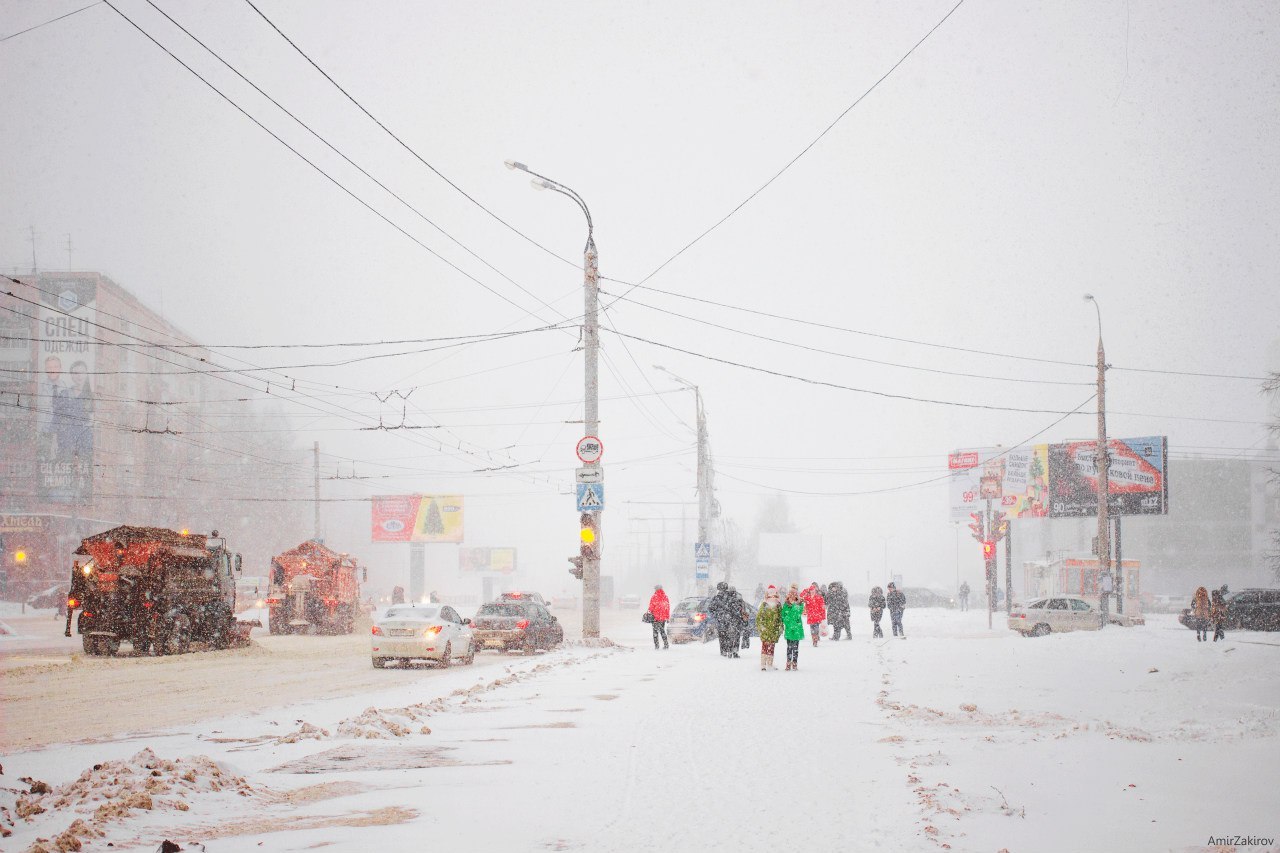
pixel 51 21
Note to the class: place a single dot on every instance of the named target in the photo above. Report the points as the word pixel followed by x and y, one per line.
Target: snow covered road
pixel 957 738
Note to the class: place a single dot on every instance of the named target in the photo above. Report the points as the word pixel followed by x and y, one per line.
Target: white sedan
pixel 408 632
pixel 1059 613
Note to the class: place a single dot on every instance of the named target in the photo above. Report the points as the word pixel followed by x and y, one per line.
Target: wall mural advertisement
pixel 417 518
pixel 1060 480
pixel 65 364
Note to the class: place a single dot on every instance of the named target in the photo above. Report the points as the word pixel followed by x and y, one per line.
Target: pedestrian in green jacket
pixel 793 626
pixel 769 625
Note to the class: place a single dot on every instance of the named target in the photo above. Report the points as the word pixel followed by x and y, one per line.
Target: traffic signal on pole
pixel 976 526
pixel 576 571
pixel 988 550
pixel 1000 523
pixel 590 536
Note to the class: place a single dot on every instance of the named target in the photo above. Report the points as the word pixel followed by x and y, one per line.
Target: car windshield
pixel 501 610
pixel 689 605
pixel 426 612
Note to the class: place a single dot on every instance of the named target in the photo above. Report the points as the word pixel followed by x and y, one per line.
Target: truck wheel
pixel 90 644
pixel 109 645
pixel 177 640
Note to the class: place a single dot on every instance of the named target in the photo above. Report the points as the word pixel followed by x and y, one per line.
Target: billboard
pixel 1060 480
pixel 478 560
pixel 417 518
pixel 1138 483
pixel 64 369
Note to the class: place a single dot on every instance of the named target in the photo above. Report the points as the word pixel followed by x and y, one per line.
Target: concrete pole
pixel 591 355
pixel 1008 569
pixel 704 487
pixel 1104 470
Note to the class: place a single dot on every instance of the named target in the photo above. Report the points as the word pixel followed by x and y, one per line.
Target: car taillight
pixel 699 617
pixel 522 624
pixel 432 631
pixel 1021 615
pixel 148 604
pixel 377 632
pixel 72 604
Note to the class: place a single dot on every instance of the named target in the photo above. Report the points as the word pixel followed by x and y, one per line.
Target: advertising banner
pixel 417 518
pixel 65 363
pixel 492 560
pixel 1138 481
pixel 1016 481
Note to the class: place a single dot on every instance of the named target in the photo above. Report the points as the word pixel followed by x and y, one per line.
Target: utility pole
pixel 591 391
pixel 1008 570
pixel 989 562
pixel 1119 571
pixel 69 266
pixel 1103 463
pixel 315 449
pixel 706 484
pixel 32 230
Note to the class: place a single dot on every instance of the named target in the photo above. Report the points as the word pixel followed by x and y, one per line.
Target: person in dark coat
pixel 838 610
pixel 875 603
pixel 1218 615
pixel 964 595
pixel 719 609
pixel 741 621
pixel 897 602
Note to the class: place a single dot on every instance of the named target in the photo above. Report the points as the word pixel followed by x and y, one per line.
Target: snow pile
pixel 114 790
pixel 305 731
pixel 378 724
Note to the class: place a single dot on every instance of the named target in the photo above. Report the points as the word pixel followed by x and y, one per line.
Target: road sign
pixel 702 573
pixel 590 449
pixel 590 475
pixel 702 553
pixel 590 497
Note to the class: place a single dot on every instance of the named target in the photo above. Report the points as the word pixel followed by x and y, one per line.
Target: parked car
pixel 535 597
pixel 408 632
pixel 521 625
pixel 52 597
pixel 691 620
pixel 564 602
pixel 1060 613
pixel 920 597
pixel 629 601
pixel 1247 610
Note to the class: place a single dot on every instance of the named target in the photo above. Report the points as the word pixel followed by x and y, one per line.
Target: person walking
pixel 659 613
pixel 875 603
pixel 718 608
pixel 741 621
pixel 769 625
pixel 897 602
pixel 838 610
pixel 1218 615
pixel 793 626
pixel 815 610
pixel 964 595
pixel 1200 613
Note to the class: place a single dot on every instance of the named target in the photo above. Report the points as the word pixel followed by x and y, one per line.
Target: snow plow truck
pixel 314 590
pixel 158 589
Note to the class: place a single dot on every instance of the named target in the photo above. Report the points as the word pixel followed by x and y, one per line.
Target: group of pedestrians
pixel 895 602
pixel 1209 610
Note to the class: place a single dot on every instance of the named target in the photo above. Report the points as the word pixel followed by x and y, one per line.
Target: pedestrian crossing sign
pixel 590 497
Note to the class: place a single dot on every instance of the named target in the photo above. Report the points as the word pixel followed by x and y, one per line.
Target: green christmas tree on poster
pixel 433 524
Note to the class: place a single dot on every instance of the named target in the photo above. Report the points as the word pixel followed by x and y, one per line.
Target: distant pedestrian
pixel 726 632
pixel 875 603
pixel 760 593
pixel 1218 614
pixel 964 595
pixel 742 620
pixel 897 602
pixel 769 625
pixel 793 626
pixel 838 610
pixel 1200 614
pixel 815 610
pixel 660 611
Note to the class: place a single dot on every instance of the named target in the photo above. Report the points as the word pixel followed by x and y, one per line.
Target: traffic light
pixel 976 526
pixel 576 571
pixel 1000 524
pixel 988 550
pixel 590 536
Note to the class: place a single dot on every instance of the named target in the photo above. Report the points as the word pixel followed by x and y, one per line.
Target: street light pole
pixel 706 501
pixel 1103 462
pixel 591 386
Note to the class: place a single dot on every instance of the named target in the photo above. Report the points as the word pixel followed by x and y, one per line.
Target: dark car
pixel 1247 610
pixel 918 597
pixel 691 620
pixel 521 625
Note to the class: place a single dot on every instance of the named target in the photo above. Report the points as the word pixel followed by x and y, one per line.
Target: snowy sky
pixel 1022 155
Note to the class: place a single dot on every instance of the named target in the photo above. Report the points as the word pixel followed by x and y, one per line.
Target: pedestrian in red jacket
pixel 660 610
pixel 815 610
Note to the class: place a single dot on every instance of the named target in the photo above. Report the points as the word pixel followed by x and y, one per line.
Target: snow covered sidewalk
pixel 957 738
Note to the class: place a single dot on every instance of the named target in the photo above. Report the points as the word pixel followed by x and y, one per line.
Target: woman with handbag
pixel 658 613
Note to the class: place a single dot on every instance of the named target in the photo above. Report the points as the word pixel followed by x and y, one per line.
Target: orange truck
pixel 314 590
pixel 159 590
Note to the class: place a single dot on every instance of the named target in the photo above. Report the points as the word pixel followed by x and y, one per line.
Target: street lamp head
pixel 516 164
pixel 539 184
pixel 1088 297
